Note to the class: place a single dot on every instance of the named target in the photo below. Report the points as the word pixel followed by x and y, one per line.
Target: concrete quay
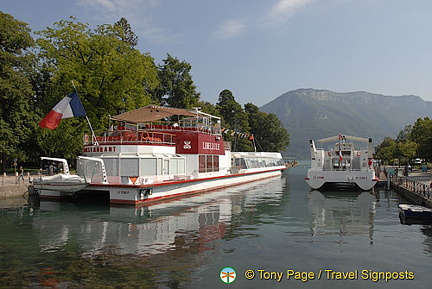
pixel 12 187
pixel 416 187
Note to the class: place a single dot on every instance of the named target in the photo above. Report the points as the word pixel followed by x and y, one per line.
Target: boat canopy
pixel 346 137
pixel 152 113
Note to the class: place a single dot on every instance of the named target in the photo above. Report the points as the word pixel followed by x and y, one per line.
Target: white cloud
pixel 137 12
pixel 230 28
pixel 281 11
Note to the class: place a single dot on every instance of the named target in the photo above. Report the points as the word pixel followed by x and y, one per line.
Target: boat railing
pixel 337 169
pixel 169 127
pixel 131 137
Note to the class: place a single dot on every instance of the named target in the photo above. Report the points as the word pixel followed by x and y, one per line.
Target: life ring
pixel 358 154
pixel 329 154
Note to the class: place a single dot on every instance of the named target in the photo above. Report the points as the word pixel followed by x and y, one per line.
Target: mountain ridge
pixel 309 113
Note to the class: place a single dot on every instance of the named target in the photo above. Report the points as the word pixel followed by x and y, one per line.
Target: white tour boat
pixel 143 159
pixel 60 184
pixel 342 164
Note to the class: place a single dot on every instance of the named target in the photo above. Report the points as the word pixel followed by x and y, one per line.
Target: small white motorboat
pixel 63 183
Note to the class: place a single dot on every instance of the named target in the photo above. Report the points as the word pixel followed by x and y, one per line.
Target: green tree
pixel 421 134
pixel 126 33
pixel 17 117
pixel 404 134
pixel 176 88
pixel 235 120
pixel 386 151
pixel 111 76
pixel 267 129
pixel 406 151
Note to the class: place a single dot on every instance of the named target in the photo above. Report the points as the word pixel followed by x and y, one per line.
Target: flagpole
pixel 94 140
pixel 253 140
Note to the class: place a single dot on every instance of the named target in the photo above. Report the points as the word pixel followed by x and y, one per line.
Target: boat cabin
pixel 155 144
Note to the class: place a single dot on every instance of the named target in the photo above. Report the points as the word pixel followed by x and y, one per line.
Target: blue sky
pixel 262 49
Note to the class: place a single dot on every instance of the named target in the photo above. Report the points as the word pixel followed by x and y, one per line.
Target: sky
pixel 260 49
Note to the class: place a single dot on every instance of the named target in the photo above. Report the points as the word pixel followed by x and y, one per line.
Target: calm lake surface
pixel 277 225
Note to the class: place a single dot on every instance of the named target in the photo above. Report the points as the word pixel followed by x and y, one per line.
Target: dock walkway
pixel 11 187
pixel 416 187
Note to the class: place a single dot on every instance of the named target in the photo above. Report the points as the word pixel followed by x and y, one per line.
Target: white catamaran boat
pixel 143 159
pixel 342 165
pixel 61 184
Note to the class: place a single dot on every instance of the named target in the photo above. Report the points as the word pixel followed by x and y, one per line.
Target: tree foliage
pixel 17 117
pixel 176 88
pixel 403 148
pixel 421 134
pixel 267 129
pixel 235 119
pixel 110 76
pixel 128 35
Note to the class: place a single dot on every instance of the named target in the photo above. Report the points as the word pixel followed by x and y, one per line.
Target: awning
pixel 151 113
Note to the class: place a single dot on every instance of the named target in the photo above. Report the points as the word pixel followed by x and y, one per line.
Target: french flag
pixel 69 106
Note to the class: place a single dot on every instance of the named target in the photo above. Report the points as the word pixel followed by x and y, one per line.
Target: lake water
pixel 277 228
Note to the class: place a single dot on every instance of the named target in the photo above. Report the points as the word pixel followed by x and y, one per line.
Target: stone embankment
pixel 415 188
pixel 12 187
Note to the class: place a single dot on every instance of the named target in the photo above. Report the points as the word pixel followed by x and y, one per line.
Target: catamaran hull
pixel 143 194
pixel 365 180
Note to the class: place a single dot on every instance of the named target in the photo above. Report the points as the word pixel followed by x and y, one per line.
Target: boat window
pixel 111 166
pixel 129 167
pixel 173 166
pixel 148 167
pixel 181 166
pixel 202 163
pixel 166 167
pixel 216 163
pixel 240 163
pixel 208 163
pixel 159 167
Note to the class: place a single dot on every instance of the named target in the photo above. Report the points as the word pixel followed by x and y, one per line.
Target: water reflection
pixel 185 243
pixel 342 213
pixel 149 230
pixel 92 244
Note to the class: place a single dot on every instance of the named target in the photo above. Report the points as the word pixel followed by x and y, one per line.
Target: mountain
pixel 314 114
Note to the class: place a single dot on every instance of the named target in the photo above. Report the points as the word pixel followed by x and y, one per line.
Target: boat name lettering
pixel 211 146
pixel 100 149
pixel 123 192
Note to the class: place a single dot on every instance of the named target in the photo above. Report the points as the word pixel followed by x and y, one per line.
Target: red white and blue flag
pixel 69 106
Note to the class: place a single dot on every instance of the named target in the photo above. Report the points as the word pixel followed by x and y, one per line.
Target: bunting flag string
pixel 238 134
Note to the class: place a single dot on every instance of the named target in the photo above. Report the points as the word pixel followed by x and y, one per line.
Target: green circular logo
pixel 228 275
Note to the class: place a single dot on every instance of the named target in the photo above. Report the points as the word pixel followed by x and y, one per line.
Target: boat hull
pixel 365 180
pixel 144 194
pixel 414 211
pixel 58 186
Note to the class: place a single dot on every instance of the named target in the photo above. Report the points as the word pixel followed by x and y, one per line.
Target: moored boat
pixel 415 211
pixel 145 158
pixel 60 184
pixel 343 165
